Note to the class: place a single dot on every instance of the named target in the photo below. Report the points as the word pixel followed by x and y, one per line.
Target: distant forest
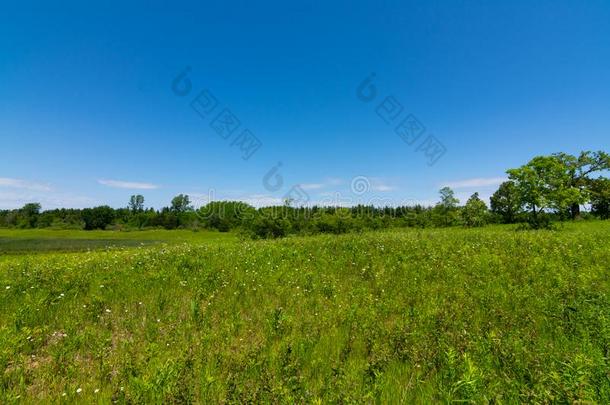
pixel 546 190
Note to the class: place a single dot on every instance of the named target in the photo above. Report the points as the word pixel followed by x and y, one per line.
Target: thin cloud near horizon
pixel 475 182
pixel 326 183
pixel 23 184
pixel 374 184
pixel 128 184
pixel 312 186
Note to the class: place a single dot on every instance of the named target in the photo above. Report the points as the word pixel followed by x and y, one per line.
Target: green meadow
pixel 406 315
pixel 21 241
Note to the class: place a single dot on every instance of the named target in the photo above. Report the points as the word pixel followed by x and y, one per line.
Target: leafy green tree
pixel 544 184
pixel 269 226
pixel 166 218
pixel 446 211
pixel 448 200
pixel 136 203
pixel 226 215
pixel 181 203
pixel 3 216
pixel 98 217
pixel 600 197
pixel 578 171
pixel 505 202
pixel 12 218
pixel 475 212
pixel 28 215
pixel 337 222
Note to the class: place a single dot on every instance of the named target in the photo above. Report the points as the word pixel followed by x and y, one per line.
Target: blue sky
pixel 88 114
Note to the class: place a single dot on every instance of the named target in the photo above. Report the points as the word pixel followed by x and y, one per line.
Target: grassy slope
pixel 397 315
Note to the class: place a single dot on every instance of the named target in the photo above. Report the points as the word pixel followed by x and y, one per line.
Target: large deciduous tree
pixel 543 183
pixel 505 202
pixel 578 171
pixel 600 197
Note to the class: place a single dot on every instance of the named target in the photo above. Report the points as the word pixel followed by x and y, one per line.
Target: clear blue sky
pixel 88 115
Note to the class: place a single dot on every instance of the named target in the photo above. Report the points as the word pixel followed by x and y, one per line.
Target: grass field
pixel 42 240
pixel 395 316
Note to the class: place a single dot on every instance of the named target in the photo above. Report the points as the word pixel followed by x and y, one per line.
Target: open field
pixel 43 240
pixel 402 315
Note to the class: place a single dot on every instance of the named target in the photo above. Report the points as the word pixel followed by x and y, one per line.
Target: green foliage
pixel 475 212
pixel 29 215
pixel 542 184
pixel 446 212
pixel 600 197
pixel 98 217
pixel 534 180
pixel 268 225
pixel 181 203
pixel 226 215
pixel 136 203
pixel 448 200
pixel 559 183
pixel 506 203
pixel 483 315
pixel 545 189
pixel 578 171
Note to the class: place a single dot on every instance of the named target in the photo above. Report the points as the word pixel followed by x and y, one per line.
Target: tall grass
pixel 404 315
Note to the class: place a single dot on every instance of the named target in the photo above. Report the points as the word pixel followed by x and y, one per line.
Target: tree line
pixel 545 190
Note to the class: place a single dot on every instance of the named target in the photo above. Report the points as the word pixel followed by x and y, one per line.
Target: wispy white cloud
pixel 15 193
pixel 23 184
pixel 128 184
pixel 312 186
pixel 48 199
pixel 476 182
pixel 326 183
pixel 373 184
pixel 381 185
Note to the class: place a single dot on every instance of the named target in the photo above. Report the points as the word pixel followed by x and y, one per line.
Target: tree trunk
pixel 575 211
